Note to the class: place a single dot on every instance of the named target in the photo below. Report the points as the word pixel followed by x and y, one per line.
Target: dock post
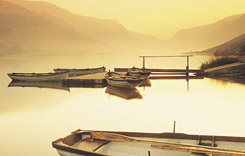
pixel 174 127
pixel 187 67
pixel 143 62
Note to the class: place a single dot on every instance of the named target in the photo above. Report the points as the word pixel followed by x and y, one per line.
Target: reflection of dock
pixel 175 77
pixel 51 85
pixel 84 85
pixel 97 78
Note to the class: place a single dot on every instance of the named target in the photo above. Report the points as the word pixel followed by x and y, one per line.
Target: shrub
pixel 218 62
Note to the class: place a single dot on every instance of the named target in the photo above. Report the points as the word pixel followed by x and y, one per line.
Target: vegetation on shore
pixel 218 62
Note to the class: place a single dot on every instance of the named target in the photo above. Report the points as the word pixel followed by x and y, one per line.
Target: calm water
pixel 31 118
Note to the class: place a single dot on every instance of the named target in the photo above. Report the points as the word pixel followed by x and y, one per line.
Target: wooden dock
pixel 96 78
pixel 166 71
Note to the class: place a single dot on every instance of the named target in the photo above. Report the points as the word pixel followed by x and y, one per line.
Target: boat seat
pixel 90 145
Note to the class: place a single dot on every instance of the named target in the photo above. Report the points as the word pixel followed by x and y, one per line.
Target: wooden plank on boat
pixel 170 145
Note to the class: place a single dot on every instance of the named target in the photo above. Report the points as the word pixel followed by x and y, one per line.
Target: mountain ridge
pixel 45 27
pixel 210 35
pixel 231 47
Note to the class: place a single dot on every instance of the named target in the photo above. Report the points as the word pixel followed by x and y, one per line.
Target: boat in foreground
pixel 38 77
pixel 121 80
pixel 78 72
pixel 107 143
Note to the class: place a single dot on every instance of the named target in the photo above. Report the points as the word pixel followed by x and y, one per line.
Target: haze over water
pixel 31 118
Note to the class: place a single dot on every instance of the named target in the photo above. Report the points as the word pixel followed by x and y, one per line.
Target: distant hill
pixel 207 36
pixel 24 30
pixel 35 26
pixel 232 47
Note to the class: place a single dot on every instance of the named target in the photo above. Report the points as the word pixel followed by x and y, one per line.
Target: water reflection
pixel 83 85
pixel 145 83
pixel 52 85
pixel 239 80
pixel 125 93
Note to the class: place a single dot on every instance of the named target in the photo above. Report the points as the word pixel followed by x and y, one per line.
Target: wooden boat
pixel 125 93
pixel 38 77
pixel 77 72
pixel 106 143
pixel 46 84
pixel 120 80
pixel 138 72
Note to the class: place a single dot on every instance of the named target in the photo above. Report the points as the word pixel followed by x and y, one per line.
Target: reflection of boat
pixel 138 72
pixel 119 80
pixel 52 85
pixel 104 143
pixel 77 72
pixel 145 83
pixel 37 77
pixel 126 93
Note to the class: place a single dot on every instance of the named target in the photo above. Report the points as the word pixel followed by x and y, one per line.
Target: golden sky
pixel 161 18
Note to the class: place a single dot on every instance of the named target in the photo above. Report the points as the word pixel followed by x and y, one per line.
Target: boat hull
pixel 38 77
pixel 78 72
pixel 137 72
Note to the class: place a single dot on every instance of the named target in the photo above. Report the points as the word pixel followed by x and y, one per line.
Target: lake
pixel 31 117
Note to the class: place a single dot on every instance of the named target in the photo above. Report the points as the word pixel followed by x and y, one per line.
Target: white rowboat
pixel 120 80
pixel 78 72
pixel 138 72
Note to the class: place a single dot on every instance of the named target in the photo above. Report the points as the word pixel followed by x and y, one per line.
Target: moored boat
pixel 38 77
pixel 107 143
pixel 138 72
pixel 78 72
pixel 120 80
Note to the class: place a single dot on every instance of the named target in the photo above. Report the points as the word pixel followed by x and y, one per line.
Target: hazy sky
pixel 161 18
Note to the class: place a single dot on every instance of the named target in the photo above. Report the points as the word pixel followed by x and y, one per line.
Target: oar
pixel 168 145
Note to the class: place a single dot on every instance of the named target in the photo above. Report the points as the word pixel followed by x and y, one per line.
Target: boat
pixel 125 93
pixel 38 77
pixel 138 72
pixel 109 143
pixel 78 72
pixel 46 84
pixel 121 80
